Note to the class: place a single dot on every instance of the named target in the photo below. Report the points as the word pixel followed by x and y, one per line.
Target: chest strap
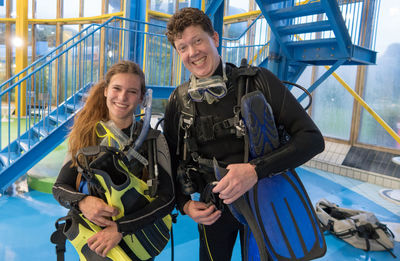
pixel 234 125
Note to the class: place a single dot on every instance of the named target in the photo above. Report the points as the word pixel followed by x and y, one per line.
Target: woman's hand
pixel 105 240
pixel 97 211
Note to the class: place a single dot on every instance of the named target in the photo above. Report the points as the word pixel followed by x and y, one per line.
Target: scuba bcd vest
pixel 126 184
pixel 200 130
pixel 360 229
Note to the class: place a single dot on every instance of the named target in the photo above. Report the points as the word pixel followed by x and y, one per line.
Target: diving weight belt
pixel 278 204
pixel 109 178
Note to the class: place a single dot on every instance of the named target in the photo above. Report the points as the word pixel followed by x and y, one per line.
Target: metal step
pixel 58 118
pixel 274 1
pixel 7 158
pixel 309 43
pixel 297 11
pixel 83 95
pixel 71 107
pixel 319 26
pixel 26 144
pixel 40 131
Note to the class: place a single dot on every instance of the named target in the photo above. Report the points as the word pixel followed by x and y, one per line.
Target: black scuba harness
pixel 192 163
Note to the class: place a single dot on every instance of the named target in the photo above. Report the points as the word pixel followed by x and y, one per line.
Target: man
pixel 198 127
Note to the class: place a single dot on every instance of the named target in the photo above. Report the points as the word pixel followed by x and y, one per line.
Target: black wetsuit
pixel 305 142
pixel 64 191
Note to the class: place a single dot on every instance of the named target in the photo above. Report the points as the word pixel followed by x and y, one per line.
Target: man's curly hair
pixel 184 18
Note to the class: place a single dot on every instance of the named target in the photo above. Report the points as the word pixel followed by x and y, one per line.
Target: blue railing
pixel 250 44
pixel 360 18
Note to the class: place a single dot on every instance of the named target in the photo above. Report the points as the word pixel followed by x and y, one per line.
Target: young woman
pixel 130 221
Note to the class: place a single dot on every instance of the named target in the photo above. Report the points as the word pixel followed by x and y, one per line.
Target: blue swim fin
pixel 241 209
pixel 280 204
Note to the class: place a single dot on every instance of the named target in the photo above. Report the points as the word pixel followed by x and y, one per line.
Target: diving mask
pixel 211 89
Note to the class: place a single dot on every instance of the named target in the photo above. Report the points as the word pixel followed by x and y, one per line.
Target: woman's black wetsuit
pixel 64 191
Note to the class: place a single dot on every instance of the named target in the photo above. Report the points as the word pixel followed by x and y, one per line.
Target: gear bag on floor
pixel 360 229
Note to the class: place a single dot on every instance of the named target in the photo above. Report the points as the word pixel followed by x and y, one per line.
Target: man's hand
pixel 105 240
pixel 97 211
pixel 239 179
pixel 201 213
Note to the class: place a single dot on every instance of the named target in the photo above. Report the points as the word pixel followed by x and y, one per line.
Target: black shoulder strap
pixel 244 73
pixel 58 238
pixel 187 105
pixel 152 180
pixel 186 119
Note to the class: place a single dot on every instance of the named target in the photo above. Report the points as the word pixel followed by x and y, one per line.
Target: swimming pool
pixel 27 221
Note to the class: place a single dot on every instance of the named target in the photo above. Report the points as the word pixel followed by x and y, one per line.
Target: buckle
pixel 226 123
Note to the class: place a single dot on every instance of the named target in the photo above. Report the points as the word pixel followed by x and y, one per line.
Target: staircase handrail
pixel 68 48
pixel 45 56
pixel 245 31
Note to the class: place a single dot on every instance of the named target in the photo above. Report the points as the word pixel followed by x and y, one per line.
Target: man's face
pixel 198 51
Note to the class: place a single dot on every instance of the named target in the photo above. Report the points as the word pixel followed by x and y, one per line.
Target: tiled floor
pixel 333 157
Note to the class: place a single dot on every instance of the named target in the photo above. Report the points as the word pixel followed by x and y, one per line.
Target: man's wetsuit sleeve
pixel 171 132
pixel 64 189
pixel 305 141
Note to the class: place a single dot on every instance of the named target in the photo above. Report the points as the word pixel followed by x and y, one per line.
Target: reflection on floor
pixel 27 221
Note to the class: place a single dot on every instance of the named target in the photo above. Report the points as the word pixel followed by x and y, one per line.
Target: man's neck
pixel 219 70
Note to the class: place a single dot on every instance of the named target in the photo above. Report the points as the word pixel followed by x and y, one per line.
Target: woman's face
pixel 123 94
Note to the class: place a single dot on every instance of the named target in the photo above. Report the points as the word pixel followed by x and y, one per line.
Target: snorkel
pixel 147 107
pixel 152 181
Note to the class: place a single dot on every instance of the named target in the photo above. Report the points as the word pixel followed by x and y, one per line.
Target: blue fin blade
pixel 286 216
pixel 260 124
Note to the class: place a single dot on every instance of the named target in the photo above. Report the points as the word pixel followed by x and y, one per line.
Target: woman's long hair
pixel 95 109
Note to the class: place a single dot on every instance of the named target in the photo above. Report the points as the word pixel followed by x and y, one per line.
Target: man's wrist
pixel 186 206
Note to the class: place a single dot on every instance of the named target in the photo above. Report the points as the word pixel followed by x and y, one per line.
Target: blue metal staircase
pixel 24 152
pixel 315 32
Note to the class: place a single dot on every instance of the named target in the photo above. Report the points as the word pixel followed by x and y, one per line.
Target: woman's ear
pixel 105 91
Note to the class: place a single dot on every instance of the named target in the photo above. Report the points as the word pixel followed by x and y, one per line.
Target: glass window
pixel 114 6
pixel 13 9
pixel 2 53
pixel 382 81
pixel 184 3
pixel 13 33
pixel 164 6
pixel 68 31
pixel 29 44
pixel 304 81
pixel 30 9
pixel 70 9
pixel 332 105
pixel 45 37
pixel 46 9
pixel 91 8
pixel 159 56
pixel 237 7
pixel 3 10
